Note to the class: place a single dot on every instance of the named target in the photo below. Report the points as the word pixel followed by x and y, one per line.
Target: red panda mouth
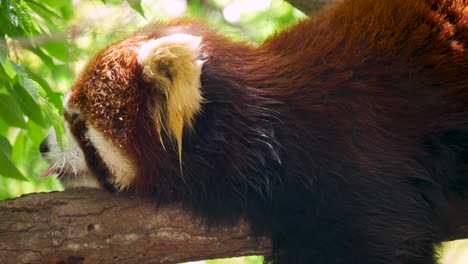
pixel 49 172
pixel 60 172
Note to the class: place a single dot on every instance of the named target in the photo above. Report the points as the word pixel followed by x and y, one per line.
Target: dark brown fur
pixel 344 138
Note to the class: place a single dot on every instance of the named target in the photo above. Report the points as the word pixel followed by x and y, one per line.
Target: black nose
pixel 44 147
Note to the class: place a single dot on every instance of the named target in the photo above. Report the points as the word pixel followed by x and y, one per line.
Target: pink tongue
pixel 48 172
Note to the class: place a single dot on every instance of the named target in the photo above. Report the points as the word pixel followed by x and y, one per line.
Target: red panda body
pixel 343 138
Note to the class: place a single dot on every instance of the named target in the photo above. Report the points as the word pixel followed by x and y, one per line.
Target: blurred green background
pixel 45 44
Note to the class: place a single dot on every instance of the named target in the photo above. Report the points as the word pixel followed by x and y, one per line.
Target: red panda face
pixel 139 87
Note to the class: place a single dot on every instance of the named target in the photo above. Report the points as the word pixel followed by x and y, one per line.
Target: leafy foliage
pixel 28 105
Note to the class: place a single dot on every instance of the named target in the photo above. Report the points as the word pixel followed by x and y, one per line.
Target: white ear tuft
pixel 176 41
pixel 172 65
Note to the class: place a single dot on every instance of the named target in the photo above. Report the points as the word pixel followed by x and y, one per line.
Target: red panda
pixel 343 138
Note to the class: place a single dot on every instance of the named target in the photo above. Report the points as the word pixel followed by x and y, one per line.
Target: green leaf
pixel 56 3
pixel 8 169
pixel 9 70
pixel 41 9
pixel 35 133
pixel 57 123
pixel 27 103
pixel 30 87
pixel 67 12
pixel 39 26
pixel 4 127
pixel 23 14
pixel 59 130
pixel 5 146
pixel 19 150
pixel 44 57
pixel 54 97
pixel 11 112
pixel 136 5
pixel 9 21
pixel 3 53
pixel 18 69
pixel 5 27
pixel 58 50
pixel 11 14
pixel 3 76
pixel 45 13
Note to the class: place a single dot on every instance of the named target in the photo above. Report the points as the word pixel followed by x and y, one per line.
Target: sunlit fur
pixel 172 63
pixel 344 138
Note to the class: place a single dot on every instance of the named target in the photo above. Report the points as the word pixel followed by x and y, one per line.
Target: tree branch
pixel 93 226
pixel 308 6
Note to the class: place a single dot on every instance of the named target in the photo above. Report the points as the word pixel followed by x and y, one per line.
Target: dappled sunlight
pixel 455 252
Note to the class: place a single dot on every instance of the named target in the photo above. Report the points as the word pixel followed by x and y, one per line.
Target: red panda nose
pixel 44 147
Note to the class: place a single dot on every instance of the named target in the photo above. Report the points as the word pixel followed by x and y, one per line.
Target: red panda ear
pixel 172 66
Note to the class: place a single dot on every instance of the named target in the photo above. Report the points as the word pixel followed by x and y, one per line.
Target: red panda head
pixel 145 88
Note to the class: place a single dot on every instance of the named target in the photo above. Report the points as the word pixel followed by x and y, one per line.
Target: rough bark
pixel 308 6
pixel 93 226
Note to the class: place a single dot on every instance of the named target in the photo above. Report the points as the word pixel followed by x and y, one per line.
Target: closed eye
pixel 71 118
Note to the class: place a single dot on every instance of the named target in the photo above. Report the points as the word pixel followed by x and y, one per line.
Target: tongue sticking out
pixel 49 172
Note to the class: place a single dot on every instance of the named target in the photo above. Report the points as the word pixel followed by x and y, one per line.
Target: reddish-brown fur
pixel 344 138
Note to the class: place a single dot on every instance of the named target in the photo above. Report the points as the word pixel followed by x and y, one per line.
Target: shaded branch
pixel 308 6
pixel 93 226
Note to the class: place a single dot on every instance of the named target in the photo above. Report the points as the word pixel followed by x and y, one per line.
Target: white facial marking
pixel 121 168
pixel 71 164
